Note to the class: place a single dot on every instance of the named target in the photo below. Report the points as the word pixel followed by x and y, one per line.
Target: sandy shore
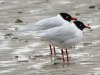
pixel 22 54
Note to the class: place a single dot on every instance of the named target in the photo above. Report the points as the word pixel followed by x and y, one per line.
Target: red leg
pixel 54 50
pixel 67 55
pixel 62 54
pixel 50 49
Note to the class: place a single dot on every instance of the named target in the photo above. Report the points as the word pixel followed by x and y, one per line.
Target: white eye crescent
pixel 80 25
pixel 66 16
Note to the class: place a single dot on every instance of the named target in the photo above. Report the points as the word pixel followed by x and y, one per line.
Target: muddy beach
pixel 22 54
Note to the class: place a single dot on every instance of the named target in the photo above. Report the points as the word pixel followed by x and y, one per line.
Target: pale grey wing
pixel 48 23
pixel 59 34
pixel 29 27
pixel 40 25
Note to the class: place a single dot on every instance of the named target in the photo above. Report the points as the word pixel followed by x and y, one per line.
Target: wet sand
pixel 22 54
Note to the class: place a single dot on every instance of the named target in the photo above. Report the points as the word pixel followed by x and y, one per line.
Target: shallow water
pixel 23 54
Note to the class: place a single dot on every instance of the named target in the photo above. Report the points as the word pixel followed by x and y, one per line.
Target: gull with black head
pixel 48 23
pixel 64 36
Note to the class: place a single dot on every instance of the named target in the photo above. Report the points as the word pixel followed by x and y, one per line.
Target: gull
pixel 49 23
pixel 64 36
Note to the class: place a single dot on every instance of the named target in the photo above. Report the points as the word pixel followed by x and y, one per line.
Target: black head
pixel 81 25
pixel 67 17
